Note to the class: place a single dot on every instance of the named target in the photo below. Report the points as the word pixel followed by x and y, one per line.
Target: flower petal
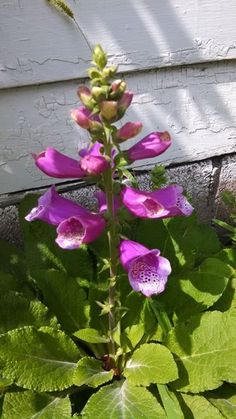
pixel 142 204
pixel 53 208
pixel 58 165
pixel 70 233
pixel 152 145
pixel 129 250
pixel 149 273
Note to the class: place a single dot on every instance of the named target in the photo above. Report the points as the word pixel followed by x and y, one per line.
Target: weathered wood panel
pixel 38 44
pixel 197 104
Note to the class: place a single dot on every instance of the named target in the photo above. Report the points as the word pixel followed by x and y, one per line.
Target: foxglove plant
pixel 104 104
pixel 113 309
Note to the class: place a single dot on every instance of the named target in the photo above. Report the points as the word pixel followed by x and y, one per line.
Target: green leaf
pixel 65 298
pixel 38 360
pixel 12 260
pixel 42 252
pixel 121 400
pixel 205 351
pixel 131 336
pixel 89 371
pixel 170 402
pixel 224 398
pixel 228 255
pixel 227 301
pixel 181 240
pixel 192 292
pixel 200 408
pixel 90 336
pixel 151 363
pixel 30 405
pixel 16 310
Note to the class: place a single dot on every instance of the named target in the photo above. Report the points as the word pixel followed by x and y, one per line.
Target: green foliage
pixel 204 347
pixel 61 294
pixel 90 371
pixel 144 367
pixel 40 360
pixel 224 398
pixel 194 291
pixel 62 7
pixel 158 176
pixel 197 407
pixel 29 405
pixel 123 400
pixel 91 336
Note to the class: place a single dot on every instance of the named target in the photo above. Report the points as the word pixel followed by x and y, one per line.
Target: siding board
pixel 197 104
pixel 39 45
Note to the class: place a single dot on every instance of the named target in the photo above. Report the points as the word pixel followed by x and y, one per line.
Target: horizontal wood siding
pixel 177 55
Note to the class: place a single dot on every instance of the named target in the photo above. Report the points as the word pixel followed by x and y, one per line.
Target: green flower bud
pixel 99 57
pixel 108 110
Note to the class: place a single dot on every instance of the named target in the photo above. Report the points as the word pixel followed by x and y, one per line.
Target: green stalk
pixel 112 241
pixel 170 404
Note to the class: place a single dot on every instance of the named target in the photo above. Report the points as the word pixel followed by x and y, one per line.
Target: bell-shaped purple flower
pixel 85 119
pixel 75 224
pixel 58 165
pixel 147 270
pixel 152 145
pixel 162 203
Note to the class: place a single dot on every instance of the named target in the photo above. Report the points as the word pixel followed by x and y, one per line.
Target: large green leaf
pixel 227 301
pixel 192 292
pixel 43 253
pixel 38 360
pixel 228 255
pixel 205 349
pixel 16 310
pixel 90 371
pixel 170 402
pixel 200 408
pixel 30 405
pixel 65 298
pixel 224 398
pixel 121 400
pixel 184 241
pixel 151 363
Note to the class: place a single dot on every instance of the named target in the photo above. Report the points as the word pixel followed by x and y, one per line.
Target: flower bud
pixel 109 71
pixel 129 130
pixel 99 57
pixel 85 96
pixel 108 110
pixel 117 89
pixel 80 117
pixel 124 103
pixel 100 93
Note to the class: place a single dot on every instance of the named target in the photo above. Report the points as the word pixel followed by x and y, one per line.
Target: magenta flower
pixel 129 130
pixel 162 203
pixel 102 204
pixel 152 145
pixel 147 270
pixel 58 165
pixel 75 224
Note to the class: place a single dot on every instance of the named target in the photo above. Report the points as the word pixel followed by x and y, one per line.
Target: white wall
pixel 42 56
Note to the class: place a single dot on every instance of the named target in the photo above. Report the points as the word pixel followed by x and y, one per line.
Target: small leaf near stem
pixel 164 321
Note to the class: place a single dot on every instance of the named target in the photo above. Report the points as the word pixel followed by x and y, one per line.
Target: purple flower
pixel 58 165
pixel 147 270
pixel 75 224
pixel 102 204
pixel 162 203
pixel 152 145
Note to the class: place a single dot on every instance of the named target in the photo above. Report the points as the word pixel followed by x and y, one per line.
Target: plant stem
pixel 112 241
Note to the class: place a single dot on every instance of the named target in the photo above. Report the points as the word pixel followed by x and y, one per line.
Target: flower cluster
pixel 102 106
